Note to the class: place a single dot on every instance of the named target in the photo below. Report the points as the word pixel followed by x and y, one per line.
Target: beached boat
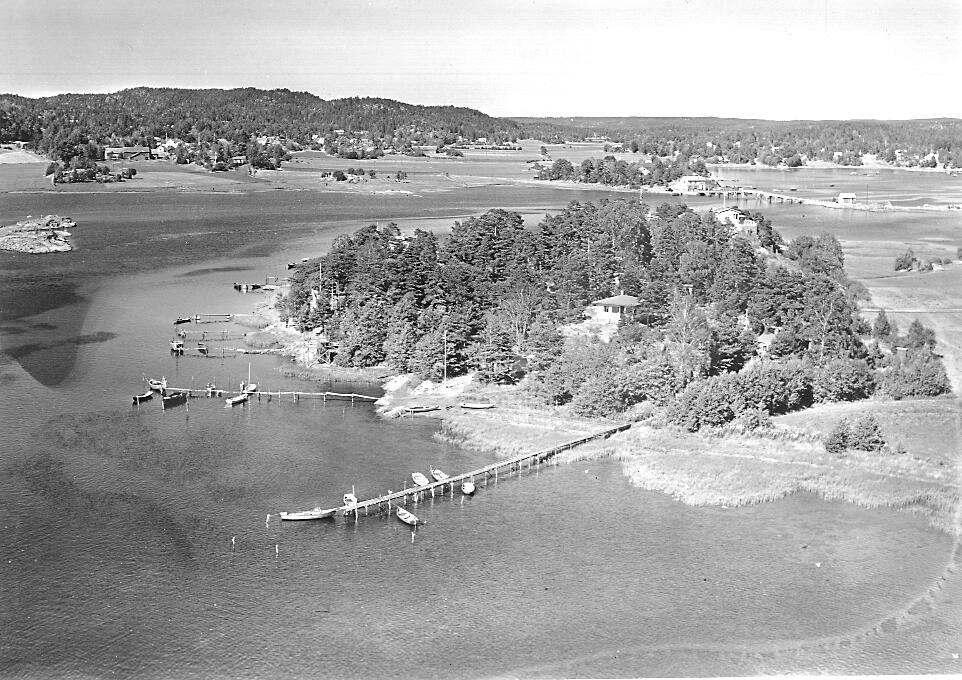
pixel 176 345
pixel 467 487
pixel 239 399
pixel 316 513
pixel 438 475
pixel 175 399
pixel 146 396
pixel 407 517
pixel 476 404
pixel 157 385
pixel 182 319
pixel 419 409
pixel 419 479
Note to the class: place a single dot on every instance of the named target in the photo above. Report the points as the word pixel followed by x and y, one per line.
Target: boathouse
pixel 693 184
pixel 612 309
pixel 845 199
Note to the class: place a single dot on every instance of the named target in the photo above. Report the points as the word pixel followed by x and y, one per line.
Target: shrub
pixel 836 441
pixel 905 261
pixel 843 380
pixel 919 374
pixel 862 433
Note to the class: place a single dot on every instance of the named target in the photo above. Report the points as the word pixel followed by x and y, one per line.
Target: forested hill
pixel 932 141
pixel 136 116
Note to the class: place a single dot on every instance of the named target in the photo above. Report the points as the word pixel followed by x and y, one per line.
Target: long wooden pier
pixel 270 395
pixel 414 494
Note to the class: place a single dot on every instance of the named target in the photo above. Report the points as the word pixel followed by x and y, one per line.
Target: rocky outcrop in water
pixel 47 234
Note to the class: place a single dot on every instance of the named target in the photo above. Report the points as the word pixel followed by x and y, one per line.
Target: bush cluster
pixel 861 433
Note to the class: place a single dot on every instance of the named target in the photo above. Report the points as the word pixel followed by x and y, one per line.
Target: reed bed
pixel 261 340
pixel 255 321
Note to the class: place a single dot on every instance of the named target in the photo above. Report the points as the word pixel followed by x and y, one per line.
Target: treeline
pixel 614 172
pixel 927 142
pixel 62 125
pixel 726 328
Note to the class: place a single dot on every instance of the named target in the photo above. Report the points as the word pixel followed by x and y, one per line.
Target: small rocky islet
pixel 47 234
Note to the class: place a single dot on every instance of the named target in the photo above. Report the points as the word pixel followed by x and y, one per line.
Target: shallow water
pixel 118 524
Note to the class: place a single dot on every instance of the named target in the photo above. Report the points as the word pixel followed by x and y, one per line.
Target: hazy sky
pixel 742 58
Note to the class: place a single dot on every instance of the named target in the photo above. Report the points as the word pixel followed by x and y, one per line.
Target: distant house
pixel 127 153
pixel 612 309
pixel 736 218
pixel 693 184
pixel 846 199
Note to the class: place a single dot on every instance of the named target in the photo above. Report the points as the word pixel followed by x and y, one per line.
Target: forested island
pixel 729 329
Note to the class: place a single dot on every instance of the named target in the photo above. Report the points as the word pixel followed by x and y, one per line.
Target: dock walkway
pixel 270 395
pixel 416 493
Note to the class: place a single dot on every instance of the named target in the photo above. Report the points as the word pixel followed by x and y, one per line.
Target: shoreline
pixel 711 469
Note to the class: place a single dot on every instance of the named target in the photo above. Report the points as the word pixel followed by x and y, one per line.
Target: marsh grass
pixel 261 340
pixel 253 321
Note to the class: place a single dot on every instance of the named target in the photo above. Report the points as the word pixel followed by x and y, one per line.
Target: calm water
pixel 118 520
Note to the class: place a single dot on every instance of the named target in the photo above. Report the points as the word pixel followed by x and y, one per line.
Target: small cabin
pixel 612 309
pixel 845 199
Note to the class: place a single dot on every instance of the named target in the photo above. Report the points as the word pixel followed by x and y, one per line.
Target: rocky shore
pixel 47 234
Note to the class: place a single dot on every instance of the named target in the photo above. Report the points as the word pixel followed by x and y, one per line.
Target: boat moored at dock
pixel 316 513
pixel 175 399
pixel 157 385
pixel 407 517
pixel 237 399
pixel 146 396
pixel 467 487
pixel 419 479
pixel 439 475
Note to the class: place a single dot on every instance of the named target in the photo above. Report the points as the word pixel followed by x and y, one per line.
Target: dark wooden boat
pixel 176 345
pixel 175 399
pixel 202 348
pixel 146 396
pixel 182 319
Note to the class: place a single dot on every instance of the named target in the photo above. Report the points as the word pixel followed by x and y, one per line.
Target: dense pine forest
pixel 63 125
pixel 729 326
pixel 69 126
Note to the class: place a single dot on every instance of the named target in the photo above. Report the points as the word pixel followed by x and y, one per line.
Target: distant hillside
pixel 56 125
pixel 933 142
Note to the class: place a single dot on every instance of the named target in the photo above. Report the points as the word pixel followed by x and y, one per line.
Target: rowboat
pixel 407 517
pixel 143 397
pixel 476 404
pixel 316 513
pixel 201 348
pixel 182 319
pixel 239 399
pixel 420 409
pixel 175 399
pixel 438 475
pixel 419 479
pixel 176 345
pixel 467 487
pixel 157 385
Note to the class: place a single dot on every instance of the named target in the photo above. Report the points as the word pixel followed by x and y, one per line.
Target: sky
pixel 775 59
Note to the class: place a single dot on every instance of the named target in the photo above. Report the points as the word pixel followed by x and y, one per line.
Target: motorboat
pixel 316 513
pixel 407 517
pixel 176 345
pixel 419 479
pixel 175 399
pixel 182 319
pixel 438 475
pixel 238 399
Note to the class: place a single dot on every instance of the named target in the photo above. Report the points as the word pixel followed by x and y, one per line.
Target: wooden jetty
pixel 271 395
pixel 382 504
pixel 210 336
